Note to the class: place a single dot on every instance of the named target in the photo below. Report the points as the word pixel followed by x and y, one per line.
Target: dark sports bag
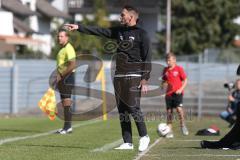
pixel 211 131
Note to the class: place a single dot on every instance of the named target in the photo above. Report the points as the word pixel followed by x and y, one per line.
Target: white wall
pixel 237 20
pixel 60 5
pixel 33 20
pixel 46 47
pixel 44 30
pixel 6 23
pixel 42 26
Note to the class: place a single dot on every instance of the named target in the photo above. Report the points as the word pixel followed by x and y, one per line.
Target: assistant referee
pixel 66 61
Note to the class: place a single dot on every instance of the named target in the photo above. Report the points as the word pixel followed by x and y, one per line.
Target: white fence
pixel 23 84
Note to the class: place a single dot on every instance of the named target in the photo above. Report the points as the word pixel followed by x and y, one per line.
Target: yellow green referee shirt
pixel 67 53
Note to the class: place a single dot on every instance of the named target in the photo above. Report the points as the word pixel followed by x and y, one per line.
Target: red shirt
pixel 174 78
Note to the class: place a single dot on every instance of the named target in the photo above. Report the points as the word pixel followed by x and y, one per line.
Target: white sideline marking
pixel 108 146
pixel 8 140
pixel 188 140
pixel 141 154
pixel 191 140
pixel 188 155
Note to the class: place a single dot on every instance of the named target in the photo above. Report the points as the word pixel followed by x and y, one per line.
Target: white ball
pixel 163 129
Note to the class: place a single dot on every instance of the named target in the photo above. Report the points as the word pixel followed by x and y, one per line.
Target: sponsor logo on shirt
pixel 131 38
pixel 175 73
pixel 121 38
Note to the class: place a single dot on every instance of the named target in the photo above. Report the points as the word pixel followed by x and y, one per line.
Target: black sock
pixel 67 117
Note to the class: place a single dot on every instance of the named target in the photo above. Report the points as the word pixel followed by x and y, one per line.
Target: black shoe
pixel 202 143
pixel 210 145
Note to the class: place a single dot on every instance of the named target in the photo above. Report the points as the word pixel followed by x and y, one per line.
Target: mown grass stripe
pixel 14 139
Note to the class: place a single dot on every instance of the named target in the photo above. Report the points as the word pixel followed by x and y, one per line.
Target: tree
pixel 200 24
pixel 86 43
pixel 83 42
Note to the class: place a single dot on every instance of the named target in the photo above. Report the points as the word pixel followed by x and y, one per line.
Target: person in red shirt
pixel 175 80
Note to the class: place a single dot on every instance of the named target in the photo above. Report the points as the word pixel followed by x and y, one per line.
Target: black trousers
pixel 128 97
pixel 231 138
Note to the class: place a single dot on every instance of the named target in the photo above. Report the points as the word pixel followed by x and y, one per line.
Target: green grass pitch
pixel 89 141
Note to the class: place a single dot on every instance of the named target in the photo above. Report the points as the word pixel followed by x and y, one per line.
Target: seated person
pixel 230 114
pixel 231 139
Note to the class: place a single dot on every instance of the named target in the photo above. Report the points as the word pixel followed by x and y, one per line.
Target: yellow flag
pixel 48 104
pixel 100 74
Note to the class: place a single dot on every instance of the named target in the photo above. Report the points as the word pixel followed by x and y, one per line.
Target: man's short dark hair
pixel 170 54
pixel 132 9
pixel 64 30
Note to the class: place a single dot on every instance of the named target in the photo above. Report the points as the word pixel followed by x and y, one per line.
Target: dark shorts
pixel 173 101
pixel 66 86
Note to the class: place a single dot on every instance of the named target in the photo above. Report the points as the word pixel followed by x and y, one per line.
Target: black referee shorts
pixel 66 85
pixel 174 100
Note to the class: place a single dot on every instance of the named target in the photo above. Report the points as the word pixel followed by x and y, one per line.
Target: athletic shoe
pixel 125 146
pixel 202 144
pixel 64 131
pixel 184 130
pixel 143 143
pixel 170 134
pixel 210 145
pixel 218 145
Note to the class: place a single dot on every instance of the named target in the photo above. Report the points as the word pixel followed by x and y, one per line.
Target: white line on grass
pixel 14 139
pixel 108 146
pixel 141 154
pixel 188 155
pixel 190 140
pixel 213 155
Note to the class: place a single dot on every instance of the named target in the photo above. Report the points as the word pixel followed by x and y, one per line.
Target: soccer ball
pixel 163 129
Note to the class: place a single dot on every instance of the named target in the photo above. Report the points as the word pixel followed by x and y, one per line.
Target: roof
pixel 115 6
pixel 17 40
pixel 20 26
pixel 16 7
pixel 48 10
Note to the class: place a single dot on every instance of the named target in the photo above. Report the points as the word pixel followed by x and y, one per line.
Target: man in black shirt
pixel 133 65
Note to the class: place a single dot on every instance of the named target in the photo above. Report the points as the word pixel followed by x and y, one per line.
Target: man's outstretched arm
pixel 92 30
